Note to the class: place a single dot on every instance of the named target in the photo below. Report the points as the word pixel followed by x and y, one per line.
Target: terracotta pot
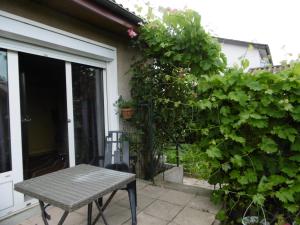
pixel 127 113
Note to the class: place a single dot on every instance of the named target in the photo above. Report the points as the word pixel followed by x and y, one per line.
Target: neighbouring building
pixel 259 55
pixel 62 67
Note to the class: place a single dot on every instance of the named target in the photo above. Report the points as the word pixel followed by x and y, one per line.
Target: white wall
pixel 234 53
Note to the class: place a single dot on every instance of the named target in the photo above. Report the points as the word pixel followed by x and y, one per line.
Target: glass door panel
pixel 44 114
pixel 5 152
pixel 88 111
pixel 6 182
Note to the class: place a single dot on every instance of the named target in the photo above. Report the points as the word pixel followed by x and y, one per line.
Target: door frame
pixel 18 34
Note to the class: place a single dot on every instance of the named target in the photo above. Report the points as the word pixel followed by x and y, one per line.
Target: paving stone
pixel 72 219
pixel 197 183
pixel 140 184
pixel 163 210
pixel 176 197
pixel 189 216
pixel 204 204
pixel 26 222
pixel 142 202
pixel 152 191
pixel 217 222
pixel 116 215
pixel 144 219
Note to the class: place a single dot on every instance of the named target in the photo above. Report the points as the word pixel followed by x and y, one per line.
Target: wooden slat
pixel 74 187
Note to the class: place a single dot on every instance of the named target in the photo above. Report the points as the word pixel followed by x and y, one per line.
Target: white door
pixel 10 134
pixel 11 119
pixel 5 150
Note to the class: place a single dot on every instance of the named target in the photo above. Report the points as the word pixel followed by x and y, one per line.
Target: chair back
pixel 116 148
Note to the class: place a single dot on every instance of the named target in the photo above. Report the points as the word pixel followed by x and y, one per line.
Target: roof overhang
pixel 104 14
pixel 258 46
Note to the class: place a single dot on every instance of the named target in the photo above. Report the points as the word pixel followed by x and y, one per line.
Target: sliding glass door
pixel 88 108
pixel 5 150
pixel 57 111
pixel 43 115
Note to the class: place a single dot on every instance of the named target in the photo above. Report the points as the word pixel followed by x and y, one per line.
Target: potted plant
pixel 126 108
pixel 254 220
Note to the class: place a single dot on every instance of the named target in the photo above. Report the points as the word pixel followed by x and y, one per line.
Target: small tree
pixel 175 51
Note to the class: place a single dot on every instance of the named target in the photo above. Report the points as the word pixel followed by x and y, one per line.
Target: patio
pixel 168 204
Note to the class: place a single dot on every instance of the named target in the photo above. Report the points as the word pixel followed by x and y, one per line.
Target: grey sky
pixel 273 22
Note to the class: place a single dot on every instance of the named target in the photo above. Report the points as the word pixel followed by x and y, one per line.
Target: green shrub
pixel 194 162
pixel 248 126
pixel 174 51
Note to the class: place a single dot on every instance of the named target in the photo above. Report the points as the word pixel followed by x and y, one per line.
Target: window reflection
pixel 88 113
pixel 5 153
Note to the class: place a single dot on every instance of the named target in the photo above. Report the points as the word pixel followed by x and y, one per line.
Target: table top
pixel 74 187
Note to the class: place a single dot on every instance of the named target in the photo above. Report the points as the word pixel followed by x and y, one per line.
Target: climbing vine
pixel 174 52
pixel 249 128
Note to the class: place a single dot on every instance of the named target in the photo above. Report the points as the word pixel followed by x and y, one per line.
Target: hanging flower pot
pixel 254 220
pixel 126 108
pixel 127 113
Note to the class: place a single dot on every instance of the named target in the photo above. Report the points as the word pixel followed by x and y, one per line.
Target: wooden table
pixel 75 187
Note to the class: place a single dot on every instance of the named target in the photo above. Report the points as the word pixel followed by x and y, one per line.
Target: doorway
pixel 43 115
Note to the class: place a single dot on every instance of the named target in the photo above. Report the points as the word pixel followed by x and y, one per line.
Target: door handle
pixel 26 119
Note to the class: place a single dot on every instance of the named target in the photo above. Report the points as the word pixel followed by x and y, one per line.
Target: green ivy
pixel 173 53
pixel 252 140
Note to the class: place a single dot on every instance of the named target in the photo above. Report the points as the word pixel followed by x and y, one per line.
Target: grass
pixel 191 158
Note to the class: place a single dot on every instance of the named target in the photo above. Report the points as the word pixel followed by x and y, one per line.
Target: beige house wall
pixel 50 17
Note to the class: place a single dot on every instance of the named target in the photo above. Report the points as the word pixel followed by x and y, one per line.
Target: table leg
pixel 102 208
pixel 63 218
pixel 46 216
pixel 100 201
pixel 90 211
pixel 100 214
pixel 131 188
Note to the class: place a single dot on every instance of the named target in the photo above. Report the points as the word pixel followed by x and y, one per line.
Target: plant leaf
pixel 268 145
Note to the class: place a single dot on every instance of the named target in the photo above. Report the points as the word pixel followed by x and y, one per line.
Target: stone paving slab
pixel 176 197
pixel 56 213
pixel 203 204
pixel 145 219
pixel 152 191
pixel 156 206
pixel 197 183
pixel 163 210
pixel 143 202
pixel 189 216
pixel 116 215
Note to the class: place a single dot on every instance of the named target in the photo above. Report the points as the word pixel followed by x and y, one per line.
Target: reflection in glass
pixel 88 113
pixel 5 154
